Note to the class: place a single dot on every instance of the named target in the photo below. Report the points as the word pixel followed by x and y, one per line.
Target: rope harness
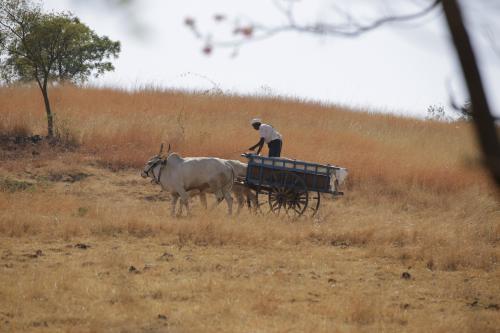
pixel 151 165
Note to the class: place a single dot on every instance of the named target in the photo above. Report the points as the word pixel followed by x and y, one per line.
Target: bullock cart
pixel 291 187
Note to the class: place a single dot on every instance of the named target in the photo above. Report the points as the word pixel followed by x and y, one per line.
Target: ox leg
pixel 241 201
pixel 201 194
pixel 185 201
pixel 203 199
pixel 229 200
pixel 251 200
pixel 181 205
pixel 175 197
pixel 219 196
pixel 238 191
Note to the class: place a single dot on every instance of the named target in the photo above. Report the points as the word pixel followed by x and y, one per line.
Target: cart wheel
pixel 288 194
pixel 314 201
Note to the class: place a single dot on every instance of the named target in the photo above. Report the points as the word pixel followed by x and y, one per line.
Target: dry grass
pixel 124 129
pixel 413 204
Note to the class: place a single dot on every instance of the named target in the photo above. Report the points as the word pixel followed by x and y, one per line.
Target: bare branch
pixel 483 120
pixel 355 29
pixel 254 31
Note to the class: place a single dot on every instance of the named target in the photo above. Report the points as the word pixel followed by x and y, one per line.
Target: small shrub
pixel 82 211
pixel 13 185
pixel 437 112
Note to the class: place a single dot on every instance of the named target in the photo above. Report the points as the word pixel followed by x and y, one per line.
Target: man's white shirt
pixel 268 133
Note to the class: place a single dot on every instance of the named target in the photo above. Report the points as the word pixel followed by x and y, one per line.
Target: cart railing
pixel 317 177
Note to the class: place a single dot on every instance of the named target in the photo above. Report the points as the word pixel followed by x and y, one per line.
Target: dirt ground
pixel 87 249
pixel 130 284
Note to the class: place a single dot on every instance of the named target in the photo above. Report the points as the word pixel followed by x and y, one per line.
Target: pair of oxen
pixel 189 176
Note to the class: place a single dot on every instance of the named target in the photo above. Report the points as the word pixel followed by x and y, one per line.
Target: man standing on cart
pixel 269 135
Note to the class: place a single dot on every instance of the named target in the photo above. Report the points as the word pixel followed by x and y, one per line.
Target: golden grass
pixel 416 201
pixel 124 129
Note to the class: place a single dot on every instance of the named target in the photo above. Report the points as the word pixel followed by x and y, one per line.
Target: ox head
pixel 153 162
pixel 339 177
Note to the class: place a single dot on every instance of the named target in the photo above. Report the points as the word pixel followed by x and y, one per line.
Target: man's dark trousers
pixel 275 148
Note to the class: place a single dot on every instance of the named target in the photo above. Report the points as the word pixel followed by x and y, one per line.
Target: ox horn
pixel 169 148
pixel 161 149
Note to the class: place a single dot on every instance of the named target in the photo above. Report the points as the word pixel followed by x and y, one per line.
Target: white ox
pixel 340 175
pixel 179 176
pixel 242 193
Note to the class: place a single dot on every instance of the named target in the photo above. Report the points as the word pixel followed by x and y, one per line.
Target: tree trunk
pixel 50 116
pixel 483 120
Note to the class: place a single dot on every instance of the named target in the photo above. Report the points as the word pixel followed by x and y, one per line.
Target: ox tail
pixel 227 187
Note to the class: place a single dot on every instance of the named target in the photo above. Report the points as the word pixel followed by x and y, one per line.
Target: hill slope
pixel 413 204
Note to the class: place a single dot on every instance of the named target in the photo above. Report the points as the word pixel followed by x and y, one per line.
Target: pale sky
pixel 399 68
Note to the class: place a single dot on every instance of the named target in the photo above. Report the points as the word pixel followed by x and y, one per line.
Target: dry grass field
pixel 86 245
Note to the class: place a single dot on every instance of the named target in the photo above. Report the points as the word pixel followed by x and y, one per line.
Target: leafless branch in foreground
pixel 481 115
pixel 483 120
pixel 347 27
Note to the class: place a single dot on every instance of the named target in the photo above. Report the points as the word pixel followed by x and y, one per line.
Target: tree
pixel 48 48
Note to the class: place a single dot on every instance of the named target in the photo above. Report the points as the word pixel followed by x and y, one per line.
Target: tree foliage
pixel 49 47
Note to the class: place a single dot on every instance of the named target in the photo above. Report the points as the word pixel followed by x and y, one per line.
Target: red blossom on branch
pixel 189 21
pixel 208 49
pixel 245 31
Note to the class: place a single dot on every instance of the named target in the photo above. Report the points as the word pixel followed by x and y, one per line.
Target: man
pixel 268 135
